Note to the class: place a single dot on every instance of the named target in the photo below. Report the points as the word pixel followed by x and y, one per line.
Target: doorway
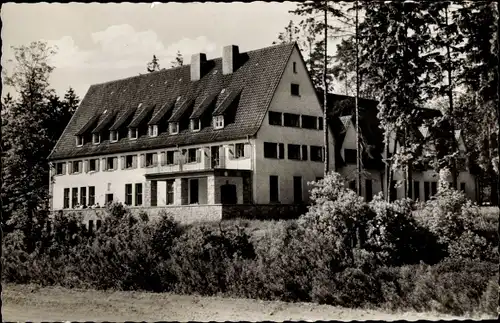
pixel 228 194
pixel 297 189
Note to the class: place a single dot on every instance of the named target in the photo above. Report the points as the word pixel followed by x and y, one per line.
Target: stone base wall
pixel 186 214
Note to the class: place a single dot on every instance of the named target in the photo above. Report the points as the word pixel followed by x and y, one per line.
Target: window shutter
pixel 97 165
pixel 176 157
pixel 247 150
pixel 163 158
pixel 281 151
pixel 70 167
pixel 155 159
pixel 64 168
pixel 134 161
pixel 231 151
pixel 80 166
pixel 103 163
pixel 198 155
pixel 122 160
pixel 86 165
pixel 143 160
pixel 115 162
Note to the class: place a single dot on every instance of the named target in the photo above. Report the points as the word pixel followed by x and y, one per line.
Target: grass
pixel 34 303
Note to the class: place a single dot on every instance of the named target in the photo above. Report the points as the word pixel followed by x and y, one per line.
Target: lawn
pixel 33 303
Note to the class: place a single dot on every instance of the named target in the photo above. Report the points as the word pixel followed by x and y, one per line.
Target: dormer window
pixel 195 124
pixel 113 136
pixel 133 133
pixel 174 128
pixel 96 138
pixel 79 141
pixel 153 131
pixel 218 122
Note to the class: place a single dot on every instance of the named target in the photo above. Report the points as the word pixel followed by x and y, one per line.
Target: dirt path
pixel 31 303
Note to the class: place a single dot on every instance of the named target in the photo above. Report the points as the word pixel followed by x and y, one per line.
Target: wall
pixel 283 101
pixel 263 212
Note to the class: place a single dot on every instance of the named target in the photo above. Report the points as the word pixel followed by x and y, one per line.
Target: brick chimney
pixel 230 55
pixel 197 61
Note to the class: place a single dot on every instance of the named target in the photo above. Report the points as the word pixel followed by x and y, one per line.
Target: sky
pixel 97 42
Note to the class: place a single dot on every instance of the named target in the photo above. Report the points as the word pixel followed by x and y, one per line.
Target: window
pixel 79 141
pixel 393 191
pixel 93 165
pixel 113 136
pixel 153 131
pixel 111 163
pixel 320 123
pixel 83 196
pixel 317 153
pixel 352 185
pixel 170 157
pixel 60 168
pixel 170 191
pixel 151 159
pixel 462 187
pixel 294 67
pixel 368 190
pixel 304 152
pixel 154 193
pixel 98 224
pixel 309 122
pixel 433 188
pixel 66 198
pixel 294 152
pixel 350 156
pixel 274 150
pixel 91 195
pixel 416 190
pixel 76 167
pixel 193 155
pixel 294 89
pixel 275 118
pixel 128 194
pixel 173 128
pixel 218 122
pixel 74 197
pixel 291 120
pixel 129 161
pixel 297 189
pixel 91 226
pixel 96 138
pixel 109 198
pixel 133 133
pixel 427 191
pixel 195 124
pixel 193 191
pixel 138 194
pixel 239 150
pixel 273 189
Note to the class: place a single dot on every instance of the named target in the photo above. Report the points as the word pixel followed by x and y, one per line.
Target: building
pixel 236 135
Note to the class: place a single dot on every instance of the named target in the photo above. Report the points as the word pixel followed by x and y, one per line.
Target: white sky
pixel 102 42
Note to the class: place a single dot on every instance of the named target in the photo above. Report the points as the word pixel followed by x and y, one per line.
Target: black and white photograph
pixel 250 161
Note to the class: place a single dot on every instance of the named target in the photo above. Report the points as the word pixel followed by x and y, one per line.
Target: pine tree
pixel 154 65
pixel 178 61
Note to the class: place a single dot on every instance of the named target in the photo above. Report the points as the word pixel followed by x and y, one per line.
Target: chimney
pixel 197 61
pixel 229 59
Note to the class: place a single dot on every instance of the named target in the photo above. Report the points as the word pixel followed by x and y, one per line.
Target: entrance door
pixel 193 191
pixel 228 194
pixel 297 189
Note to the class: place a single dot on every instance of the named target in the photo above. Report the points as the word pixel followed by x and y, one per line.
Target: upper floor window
pixel 60 168
pixel 96 138
pixel 317 153
pixel 291 120
pixel 129 161
pixel 79 141
pixel 320 123
pixel 170 157
pixel 76 166
pixel 174 128
pixel 309 122
pixel 133 133
pixel 113 136
pixel 153 130
pixel 195 124
pixel 295 67
pixel 193 155
pixel 111 163
pixel 294 152
pixel 151 159
pixel 93 164
pixel 218 122
pixel 294 89
pixel 274 150
pixel 350 156
pixel 239 150
pixel 275 118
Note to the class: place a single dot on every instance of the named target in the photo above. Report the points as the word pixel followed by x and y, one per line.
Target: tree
pixel 31 125
pixel 154 65
pixel 178 60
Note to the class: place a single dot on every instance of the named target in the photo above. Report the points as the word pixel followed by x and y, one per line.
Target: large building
pixel 240 133
pixel 236 135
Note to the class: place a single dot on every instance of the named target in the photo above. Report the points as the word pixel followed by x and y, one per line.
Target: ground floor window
pixel 83 196
pixel 128 194
pixel 416 190
pixel 66 198
pixel 193 191
pixel 369 190
pixel 74 197
pixel 170 191
pixel 273 189
pixel 138 194
pixel 109 198
pixel 393 191
pixel 91 195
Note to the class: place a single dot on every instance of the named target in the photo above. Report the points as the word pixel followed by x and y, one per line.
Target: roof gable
pixel 258 73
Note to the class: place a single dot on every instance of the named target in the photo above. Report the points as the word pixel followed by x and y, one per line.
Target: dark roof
pixel 158 117
pixel 203 106
pixel 108 117
pixel 258 75
pixel 181 110
pixel 124 117
pixel 138 120
pixel 91 123
pixel 226 102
